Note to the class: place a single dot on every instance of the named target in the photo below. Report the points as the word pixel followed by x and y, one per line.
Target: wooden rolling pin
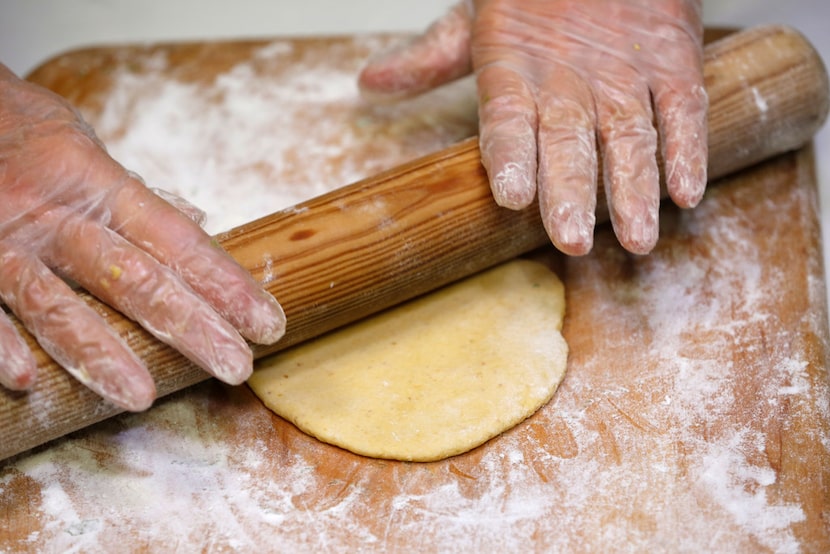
pixel 384 240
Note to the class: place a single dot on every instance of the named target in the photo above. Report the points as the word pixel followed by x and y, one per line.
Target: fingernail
pixel 572 230
pixel 136 398
pixel 641 235
pixel 233 364
pixel 263 319
pixel 693 187
pixel 512 187
pixel 20 370
pixel 687 183
pixel 269 323
pixel 130 388
pixel 13 379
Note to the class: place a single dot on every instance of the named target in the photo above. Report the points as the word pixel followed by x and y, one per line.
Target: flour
pixel 760 103
pixel 252 142
pixel 226 158
pixel 740 488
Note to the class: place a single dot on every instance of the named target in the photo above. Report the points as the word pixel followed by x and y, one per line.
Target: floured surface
pixel 694 417
pixel 432 378
pixel 284 125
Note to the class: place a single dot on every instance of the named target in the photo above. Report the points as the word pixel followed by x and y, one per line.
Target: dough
pixel 432 378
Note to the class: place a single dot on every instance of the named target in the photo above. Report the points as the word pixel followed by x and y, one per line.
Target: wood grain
pixel 412 229
pixel 692 419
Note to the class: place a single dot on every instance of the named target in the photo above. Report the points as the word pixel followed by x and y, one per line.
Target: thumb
pixel 438 56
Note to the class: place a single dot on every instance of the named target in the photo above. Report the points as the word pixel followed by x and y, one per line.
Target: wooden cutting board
pixel 694 415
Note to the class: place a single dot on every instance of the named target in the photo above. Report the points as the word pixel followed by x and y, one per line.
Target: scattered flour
pixel 760 103
pixel 260 137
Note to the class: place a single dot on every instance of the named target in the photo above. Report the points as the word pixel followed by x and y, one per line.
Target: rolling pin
pixel 384 240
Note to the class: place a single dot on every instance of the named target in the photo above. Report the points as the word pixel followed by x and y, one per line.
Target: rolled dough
pixel 432 378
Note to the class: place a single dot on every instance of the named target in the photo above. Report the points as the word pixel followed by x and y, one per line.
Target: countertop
pixel 693 415
pixel 216 471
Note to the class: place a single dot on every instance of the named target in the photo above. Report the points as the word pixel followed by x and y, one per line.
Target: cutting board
pixel 694 415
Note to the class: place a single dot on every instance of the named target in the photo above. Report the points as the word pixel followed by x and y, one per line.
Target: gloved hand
pixel 560 80
pixel 68 209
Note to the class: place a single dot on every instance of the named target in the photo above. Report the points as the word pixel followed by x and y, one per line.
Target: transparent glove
pixel 69 210
pixel 558 82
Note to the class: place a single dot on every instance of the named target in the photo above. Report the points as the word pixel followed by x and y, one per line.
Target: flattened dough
pixel 432 378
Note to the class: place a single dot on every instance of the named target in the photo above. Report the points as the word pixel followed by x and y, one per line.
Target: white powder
pixel 760 103
pixel 178 478
pixel 251 142
pixel 178 140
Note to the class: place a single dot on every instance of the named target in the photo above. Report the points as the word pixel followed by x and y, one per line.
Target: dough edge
pixel 530 281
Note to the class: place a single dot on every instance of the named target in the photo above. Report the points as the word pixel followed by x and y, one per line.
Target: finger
pixel 105 190
pixel 568 162
pixel 18 369
pixel 670 56
pixel 187 209
pixel 440 55
pixel 681 104
pixel 179 243
pixel 507 135
pixel 629 147
pixel 137 285
pixel 72 333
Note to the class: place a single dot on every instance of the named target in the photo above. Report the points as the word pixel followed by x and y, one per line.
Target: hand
pixel 560 80
pixel 68 209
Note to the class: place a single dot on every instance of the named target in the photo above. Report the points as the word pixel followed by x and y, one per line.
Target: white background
pixel 32 31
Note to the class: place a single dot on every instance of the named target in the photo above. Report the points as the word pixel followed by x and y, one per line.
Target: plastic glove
pixel 68 209
pixel 560 80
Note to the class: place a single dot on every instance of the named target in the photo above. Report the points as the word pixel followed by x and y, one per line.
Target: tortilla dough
pixel 432 378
